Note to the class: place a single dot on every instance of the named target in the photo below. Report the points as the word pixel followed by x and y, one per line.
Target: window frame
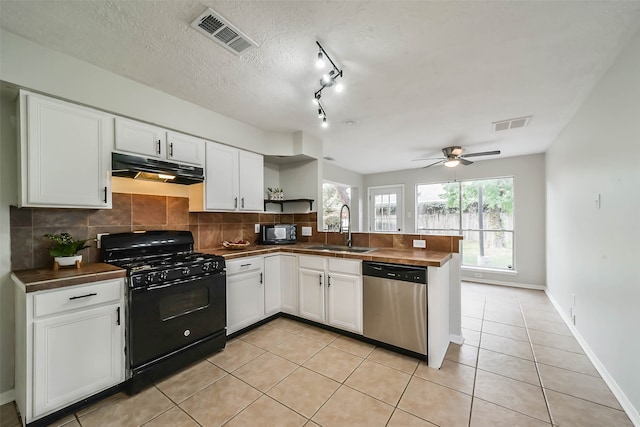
pixel 461 230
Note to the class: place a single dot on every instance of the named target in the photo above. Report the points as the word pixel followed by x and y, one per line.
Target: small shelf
pixel 282 203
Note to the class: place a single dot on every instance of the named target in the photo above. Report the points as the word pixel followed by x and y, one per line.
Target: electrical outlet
pixel 98 238
pixel 479 275
pixel 419 243
pixel 257 228
pixel 306 231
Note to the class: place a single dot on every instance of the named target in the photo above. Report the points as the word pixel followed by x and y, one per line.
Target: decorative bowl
pixel 237 245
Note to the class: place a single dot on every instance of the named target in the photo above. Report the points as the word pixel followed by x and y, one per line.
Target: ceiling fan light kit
pixel 453 157
pixel 327 80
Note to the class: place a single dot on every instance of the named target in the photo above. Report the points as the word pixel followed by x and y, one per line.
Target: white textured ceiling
pixel 419 75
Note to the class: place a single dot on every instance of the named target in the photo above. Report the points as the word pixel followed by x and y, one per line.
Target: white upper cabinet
pixel 221 171
pixel 140 138
pixel 185 149
pixel 152 141
pixel 251 180
pixel 65 154
pixel 234 181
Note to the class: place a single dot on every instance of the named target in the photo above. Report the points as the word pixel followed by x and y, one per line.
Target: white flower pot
pixel 67 260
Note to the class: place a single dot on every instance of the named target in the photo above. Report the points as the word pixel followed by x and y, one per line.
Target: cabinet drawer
pixel 75 297
pixel 346 266
pixel 314 262
pixel 244 264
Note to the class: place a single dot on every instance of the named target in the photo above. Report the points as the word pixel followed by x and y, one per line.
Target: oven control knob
pixel 207 266
pixel 164 275
pixel 150 278
pixel 186 332
pixel 186 271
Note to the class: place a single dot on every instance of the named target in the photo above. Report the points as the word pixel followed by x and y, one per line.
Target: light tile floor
pixel 520 366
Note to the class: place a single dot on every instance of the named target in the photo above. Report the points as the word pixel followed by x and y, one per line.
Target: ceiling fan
pixel 453 157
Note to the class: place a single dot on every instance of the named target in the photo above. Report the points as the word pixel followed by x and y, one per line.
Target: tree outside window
pixel 333 197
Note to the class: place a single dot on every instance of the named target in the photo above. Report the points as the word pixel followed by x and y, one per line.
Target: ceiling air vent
pixel 221 31
pixel 520 122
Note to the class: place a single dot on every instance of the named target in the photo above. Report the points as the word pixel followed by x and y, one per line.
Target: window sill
pixel 490 270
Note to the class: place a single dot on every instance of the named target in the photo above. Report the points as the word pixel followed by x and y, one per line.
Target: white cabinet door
pixel 311 298
pixel 76 355
pixel 272 280
pixel 140 138
pixel 221 187
pixel 65 154
pixel 245 300
pixel 344 301
pixel 289 284
pixel 251 180
pixel 185 149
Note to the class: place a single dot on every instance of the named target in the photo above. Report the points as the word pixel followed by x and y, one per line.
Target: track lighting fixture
pixel 328 79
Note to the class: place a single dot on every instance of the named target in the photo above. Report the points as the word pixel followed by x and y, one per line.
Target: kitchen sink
pixel 342 248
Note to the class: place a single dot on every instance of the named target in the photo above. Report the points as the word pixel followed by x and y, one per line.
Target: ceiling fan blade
pixel 484 153
pixel 433 164
pixel 465 162
pixel 426 158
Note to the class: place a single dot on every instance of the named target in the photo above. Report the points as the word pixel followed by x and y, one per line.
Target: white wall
pixel 593 252
pixel 8 195
pixel 529 198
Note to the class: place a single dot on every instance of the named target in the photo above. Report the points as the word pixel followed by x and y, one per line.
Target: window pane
pixel 496 198
pixel 488 249
pixel 438 207
pixel 333 197
pixel 385 212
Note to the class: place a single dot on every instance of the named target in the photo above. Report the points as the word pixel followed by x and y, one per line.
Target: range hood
pixel 135 167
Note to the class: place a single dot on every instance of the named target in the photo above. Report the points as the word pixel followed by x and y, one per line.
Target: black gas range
pixel 176 301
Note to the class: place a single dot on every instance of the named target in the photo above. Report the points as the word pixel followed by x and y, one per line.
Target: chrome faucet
pixel 348 239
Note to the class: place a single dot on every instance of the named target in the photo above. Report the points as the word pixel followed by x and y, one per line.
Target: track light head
pixel 324 123
pixel 316 99
pixel 320 61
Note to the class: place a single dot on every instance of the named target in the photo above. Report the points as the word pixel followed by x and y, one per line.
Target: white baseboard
pixel 632 412
pixel 456 339
pixel 7 396
pixel 503 283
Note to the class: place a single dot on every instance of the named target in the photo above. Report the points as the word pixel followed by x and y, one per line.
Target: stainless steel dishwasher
pixel 395 305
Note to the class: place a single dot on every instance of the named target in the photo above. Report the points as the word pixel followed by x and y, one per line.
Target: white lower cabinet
pixel 245 293
pixel 289 284
pixel 331 291
pixel 69 345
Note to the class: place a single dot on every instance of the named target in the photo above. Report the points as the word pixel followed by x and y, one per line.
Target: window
pixel 333 197
pixel 385 209
pixel 481 210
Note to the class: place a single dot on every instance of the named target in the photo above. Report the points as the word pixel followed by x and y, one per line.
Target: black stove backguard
pixel 176 302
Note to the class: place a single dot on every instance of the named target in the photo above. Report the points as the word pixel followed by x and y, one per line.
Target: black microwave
pixel 278 234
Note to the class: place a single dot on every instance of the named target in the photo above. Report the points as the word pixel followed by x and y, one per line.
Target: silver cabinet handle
pixel 171 149
pixel 235 202
pixel 260 278
pixel 159 151
pixel 242 202
pixel 328 281
pixel 320 279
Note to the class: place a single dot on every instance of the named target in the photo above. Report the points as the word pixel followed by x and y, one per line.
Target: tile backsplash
pixel 134 212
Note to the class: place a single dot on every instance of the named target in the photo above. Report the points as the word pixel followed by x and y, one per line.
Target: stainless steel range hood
pixel 135 167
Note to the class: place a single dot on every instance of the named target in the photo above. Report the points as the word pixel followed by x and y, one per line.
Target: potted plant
pixel 65 249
